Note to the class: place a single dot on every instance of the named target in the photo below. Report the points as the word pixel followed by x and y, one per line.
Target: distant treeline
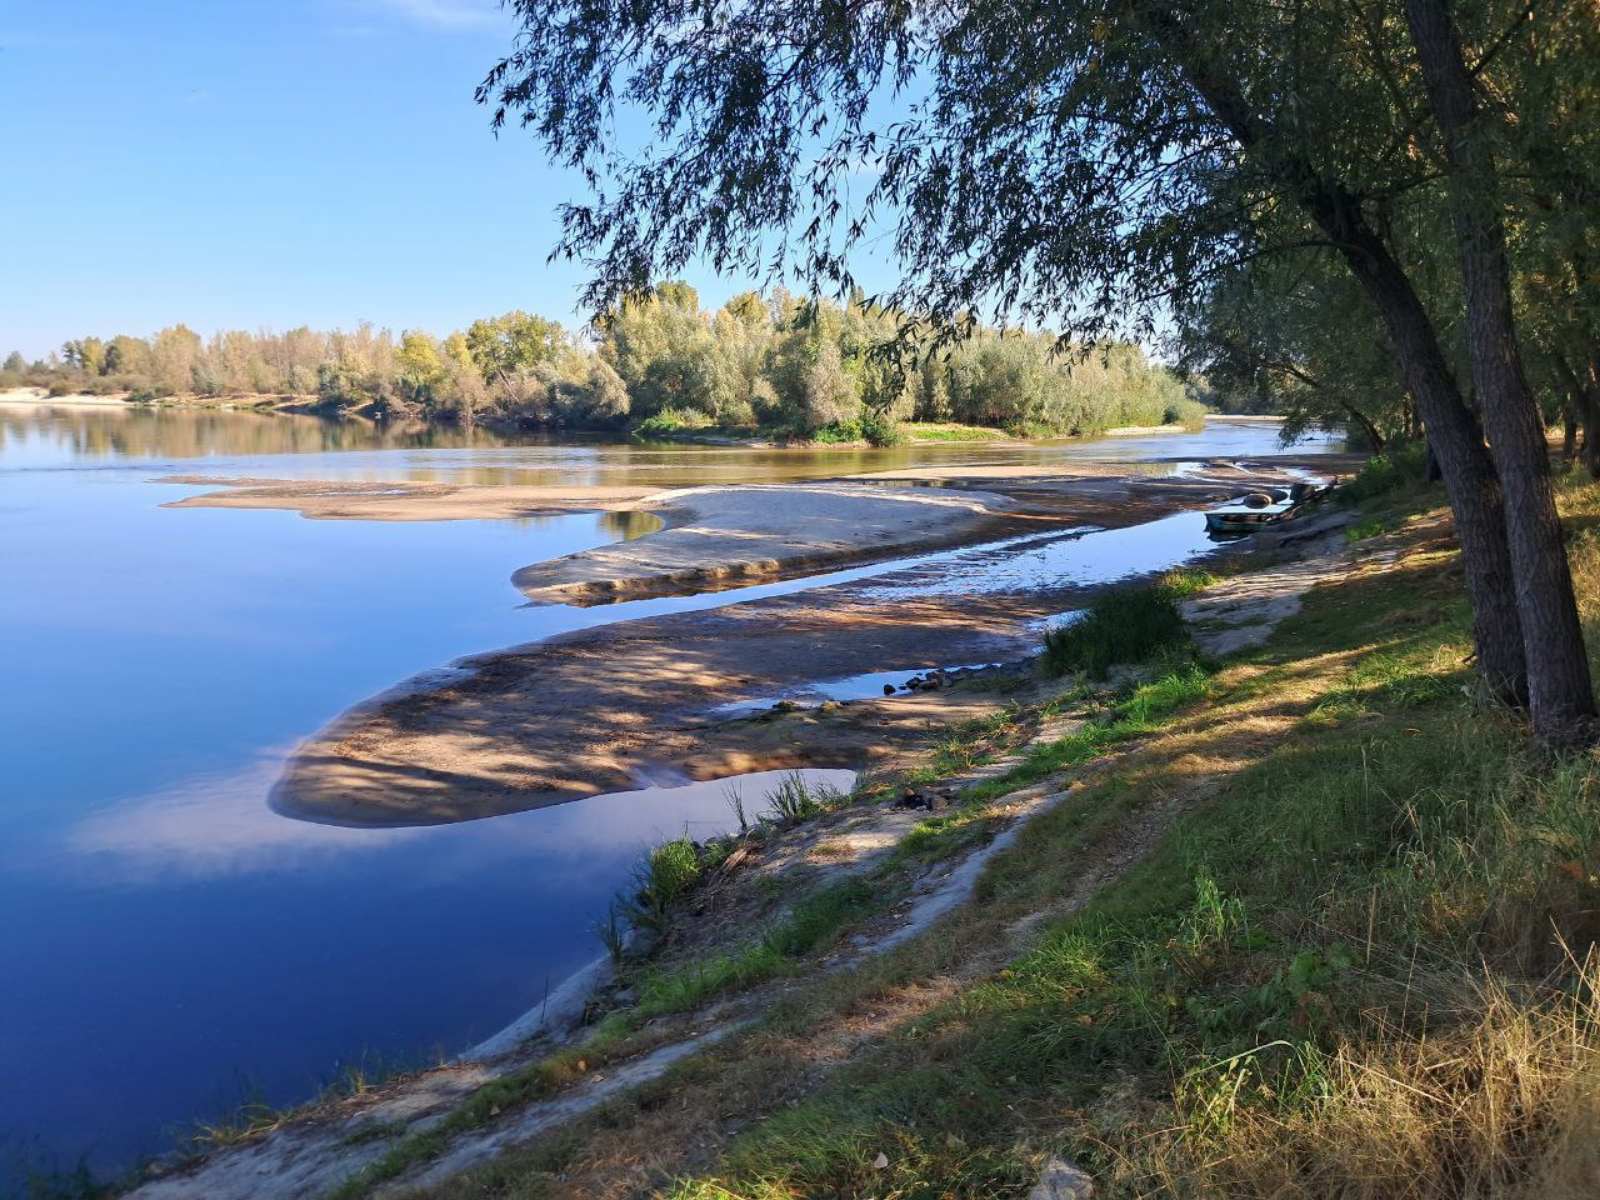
pixel 657 363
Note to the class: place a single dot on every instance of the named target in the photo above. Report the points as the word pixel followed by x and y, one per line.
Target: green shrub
pixel 1191 414
pixel 835 433
pixel 1401 466
pixel 671 420
pixel 880 429
pixel 1124 626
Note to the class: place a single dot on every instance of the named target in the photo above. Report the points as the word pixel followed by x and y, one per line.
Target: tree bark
pixel 1561 694
pixel 1453 432
pixel 1586 398
pixel 1457 445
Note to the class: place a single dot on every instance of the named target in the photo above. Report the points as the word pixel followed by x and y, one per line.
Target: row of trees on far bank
pixel 656 360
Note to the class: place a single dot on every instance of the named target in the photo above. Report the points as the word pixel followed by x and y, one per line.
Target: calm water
pixel 171 946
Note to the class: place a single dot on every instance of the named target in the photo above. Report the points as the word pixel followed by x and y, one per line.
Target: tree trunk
pixel 1589 410
pixel 1569 429
pixel 1589 406
pixel 1374 438
pixel 1561 695
pixel 1469 475
pixel 1457 445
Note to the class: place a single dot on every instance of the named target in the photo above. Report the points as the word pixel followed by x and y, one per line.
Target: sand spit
pixel 594 711
pixel 399 501
pixel 718 537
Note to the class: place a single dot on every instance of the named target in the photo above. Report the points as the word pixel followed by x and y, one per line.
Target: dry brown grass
pixel 1504 1105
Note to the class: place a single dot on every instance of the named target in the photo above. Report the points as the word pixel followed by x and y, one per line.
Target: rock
pixel 888 689
pixel 1060 1180
pixel 880 1162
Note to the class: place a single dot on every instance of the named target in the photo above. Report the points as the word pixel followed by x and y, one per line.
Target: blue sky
pixel 266 164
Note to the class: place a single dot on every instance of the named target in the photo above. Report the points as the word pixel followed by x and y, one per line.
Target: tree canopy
pixel 1083 164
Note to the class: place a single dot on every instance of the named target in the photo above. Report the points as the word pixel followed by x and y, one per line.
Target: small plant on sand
pixel 612 933
pixel 735 801
pixel 794 799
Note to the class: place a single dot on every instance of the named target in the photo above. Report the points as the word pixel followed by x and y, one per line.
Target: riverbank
pixel 1312 888
pixel 857 887
pixel 591 711
pixel 913 432
pixel 239 634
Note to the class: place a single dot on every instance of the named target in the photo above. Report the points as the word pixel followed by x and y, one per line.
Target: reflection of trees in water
pixel 137 430
pixel 630 524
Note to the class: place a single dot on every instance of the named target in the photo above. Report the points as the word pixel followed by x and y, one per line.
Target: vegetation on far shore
pixel 658 366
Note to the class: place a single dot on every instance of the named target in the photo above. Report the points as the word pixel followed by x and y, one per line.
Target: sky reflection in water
pixel 170 943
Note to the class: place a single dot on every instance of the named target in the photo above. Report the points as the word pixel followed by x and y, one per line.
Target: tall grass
pixel 813 923
pixel 665 876
pixel 797 799
pixel 1129 625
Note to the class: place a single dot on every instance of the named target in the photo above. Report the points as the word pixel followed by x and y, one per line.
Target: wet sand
pixel 602 709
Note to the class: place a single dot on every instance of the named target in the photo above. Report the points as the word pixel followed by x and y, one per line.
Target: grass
pixel 814 923
pixel 1352 959
pixel 950 431
pixel 667 874
pixel 1129 625
pixel 1360 969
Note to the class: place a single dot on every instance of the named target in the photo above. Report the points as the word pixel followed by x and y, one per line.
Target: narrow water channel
pixel 172 946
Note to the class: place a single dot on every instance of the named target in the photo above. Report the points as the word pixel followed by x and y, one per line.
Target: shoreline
pixel 309 406
pixel 587 712
pixel 336 1140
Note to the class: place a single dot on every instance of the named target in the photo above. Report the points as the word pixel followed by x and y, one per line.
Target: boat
pixel 1236 520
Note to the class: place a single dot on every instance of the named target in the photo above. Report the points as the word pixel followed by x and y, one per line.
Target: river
pixel 172 946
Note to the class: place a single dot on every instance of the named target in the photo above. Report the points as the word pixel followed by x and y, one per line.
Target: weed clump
pixel 665 876
pixel 1126 626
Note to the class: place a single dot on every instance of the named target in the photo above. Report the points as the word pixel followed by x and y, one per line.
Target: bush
pixel 880 429
pixel 1191 414
pixel 1124 626
pixel 1401 466
pixel 671 420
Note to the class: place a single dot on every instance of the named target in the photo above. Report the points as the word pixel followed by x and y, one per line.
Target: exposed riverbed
pixel 173 944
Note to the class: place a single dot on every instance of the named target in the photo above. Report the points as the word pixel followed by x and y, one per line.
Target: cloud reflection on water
pixel 220 825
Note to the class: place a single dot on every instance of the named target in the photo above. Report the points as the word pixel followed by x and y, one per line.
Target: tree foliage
pixel 791 367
